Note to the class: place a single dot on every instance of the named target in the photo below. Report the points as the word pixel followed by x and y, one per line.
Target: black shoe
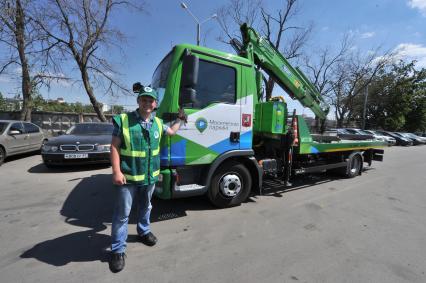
pixel 116 262
pixel 148 239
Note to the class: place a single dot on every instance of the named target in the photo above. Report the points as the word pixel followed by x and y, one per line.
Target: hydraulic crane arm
pixel 292 80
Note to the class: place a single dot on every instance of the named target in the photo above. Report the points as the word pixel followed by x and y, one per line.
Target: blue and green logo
pixel 201 124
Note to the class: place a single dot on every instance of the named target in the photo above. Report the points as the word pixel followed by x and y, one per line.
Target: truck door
pixel 214 119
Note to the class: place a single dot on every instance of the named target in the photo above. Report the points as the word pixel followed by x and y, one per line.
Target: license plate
pixel 76 155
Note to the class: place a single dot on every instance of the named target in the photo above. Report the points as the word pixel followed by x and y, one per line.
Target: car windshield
pixel 2 127
pixel 364 132
pixel 371 132
pixel 90 129
pixel 159 79
pixel 343 131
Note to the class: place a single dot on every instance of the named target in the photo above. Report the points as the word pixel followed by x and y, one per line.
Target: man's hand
pixel 118 179
pixel 182 116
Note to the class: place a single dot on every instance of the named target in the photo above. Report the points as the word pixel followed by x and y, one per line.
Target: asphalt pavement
pixel 55 227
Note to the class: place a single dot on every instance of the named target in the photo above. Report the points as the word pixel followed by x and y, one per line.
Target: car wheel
pixel 2 155
pixel 230 185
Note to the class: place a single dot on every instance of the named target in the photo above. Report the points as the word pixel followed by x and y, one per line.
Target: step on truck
pixel 233 138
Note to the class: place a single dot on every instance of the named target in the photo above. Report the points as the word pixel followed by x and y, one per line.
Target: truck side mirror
pixel 137 87
pixel 190 66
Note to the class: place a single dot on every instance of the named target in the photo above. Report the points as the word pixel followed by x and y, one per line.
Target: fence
pixel 53 122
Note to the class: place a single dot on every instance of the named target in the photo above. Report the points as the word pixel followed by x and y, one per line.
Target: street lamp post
pixel 184 6
pixel 364 112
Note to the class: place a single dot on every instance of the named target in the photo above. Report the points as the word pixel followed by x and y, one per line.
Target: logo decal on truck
pixel 201 124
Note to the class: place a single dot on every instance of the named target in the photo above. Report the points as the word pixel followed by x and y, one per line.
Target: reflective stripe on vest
pixel 126 134
pixel 136 178
pixel 160 130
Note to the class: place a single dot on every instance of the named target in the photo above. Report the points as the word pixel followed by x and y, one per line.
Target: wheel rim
pixel 355 165
pixel 1 154
pixel 230 185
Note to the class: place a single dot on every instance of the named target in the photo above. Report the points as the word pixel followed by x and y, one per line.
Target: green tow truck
pixel 233 138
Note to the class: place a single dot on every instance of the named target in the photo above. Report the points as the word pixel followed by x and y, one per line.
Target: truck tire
pixel 2 155
pixel 354 166
pixel 230 185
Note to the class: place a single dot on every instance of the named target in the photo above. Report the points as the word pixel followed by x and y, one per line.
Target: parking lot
pixel 55 226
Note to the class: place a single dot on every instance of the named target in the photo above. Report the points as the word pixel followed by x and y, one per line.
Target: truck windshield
pixel 159 79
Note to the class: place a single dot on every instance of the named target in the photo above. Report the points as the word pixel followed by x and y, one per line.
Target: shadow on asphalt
pixel 22 155
pixel 90 205
pixel 41 168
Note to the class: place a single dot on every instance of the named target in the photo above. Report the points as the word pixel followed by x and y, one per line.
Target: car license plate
pixel 76 155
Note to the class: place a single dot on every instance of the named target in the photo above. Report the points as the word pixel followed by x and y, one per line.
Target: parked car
pixel 83 143
pixel 19 137
pixel 400 140
pixel 354 134
pixel 416 139
pixel 378 136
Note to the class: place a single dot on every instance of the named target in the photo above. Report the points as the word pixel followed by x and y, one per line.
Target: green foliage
pixel 38 103
pixel 115 110
pixel 2 103
pixel 397 99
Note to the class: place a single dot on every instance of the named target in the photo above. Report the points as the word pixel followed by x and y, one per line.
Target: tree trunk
pixel 269 88
pixel 26 80
pixel 96 105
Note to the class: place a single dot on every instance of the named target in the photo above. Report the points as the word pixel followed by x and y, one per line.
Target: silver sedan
pixel 18 137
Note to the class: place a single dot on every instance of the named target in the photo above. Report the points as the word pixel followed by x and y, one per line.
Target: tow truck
pixel 234 138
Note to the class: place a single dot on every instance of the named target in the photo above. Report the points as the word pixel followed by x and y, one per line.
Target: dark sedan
pixel 83 143
pixel 399 139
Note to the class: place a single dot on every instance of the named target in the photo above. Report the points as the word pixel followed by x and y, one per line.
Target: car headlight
pixel 49 148
pixel 103 147
pixel 46 147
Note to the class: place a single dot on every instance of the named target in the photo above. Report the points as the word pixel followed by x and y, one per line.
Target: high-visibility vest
pixel 139 152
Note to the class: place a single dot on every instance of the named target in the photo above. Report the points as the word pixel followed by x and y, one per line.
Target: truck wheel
pixel 230 185
pixel 2 155
pixel 355 165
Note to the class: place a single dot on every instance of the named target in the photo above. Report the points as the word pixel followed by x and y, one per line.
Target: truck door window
pixel 216 83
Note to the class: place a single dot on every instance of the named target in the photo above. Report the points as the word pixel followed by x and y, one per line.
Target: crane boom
pixel 292 80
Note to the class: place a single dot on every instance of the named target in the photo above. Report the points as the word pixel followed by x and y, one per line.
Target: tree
pixel 320 67
pixel 276 27
pixel 2 103
pixel 397 98
pixel 83 32
pixel 17 34
pixel 26 48
pixel 320 64
pixel 351 77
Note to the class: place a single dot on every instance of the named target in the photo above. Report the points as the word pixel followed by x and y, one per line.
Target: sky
pixel 396 25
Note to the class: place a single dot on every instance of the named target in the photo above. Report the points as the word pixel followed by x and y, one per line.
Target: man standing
pixel 135 159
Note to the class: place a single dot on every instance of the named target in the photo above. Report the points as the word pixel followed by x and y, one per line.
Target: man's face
pixel 147 104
